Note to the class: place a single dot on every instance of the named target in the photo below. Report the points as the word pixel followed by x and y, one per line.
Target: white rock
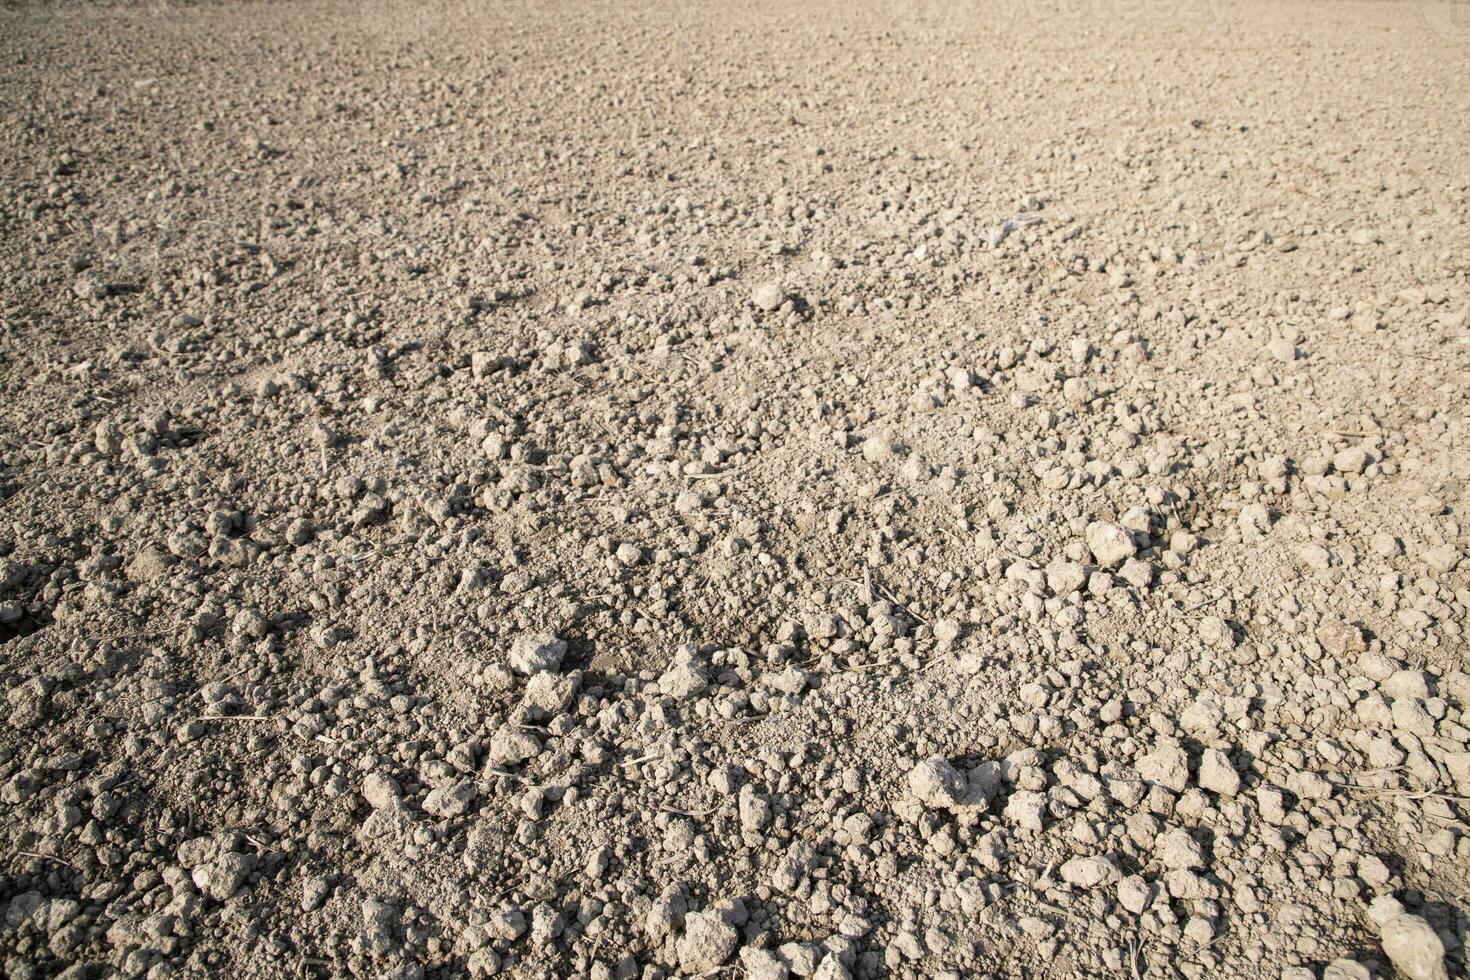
pixel 1090 872
pixel 1216 633
pixel 1308 785
pixel 1201 716
pixel 831 968
pixel 682 680
pixel 792 680
pixel 1178 851
pixel 224 875
pixel 1136 573
pixel 1339 638
pixel 707 942
pixel 1410 942
pixel 1134 894
pixel 507 923
pixel 762 964
pixel 511 746
pixel 450 801
pixel 1167 766
pixel 531 653
pixel 666 915
pixel 755 810
pixel 935 783
pixel 1409 716
pixel 1110 544
pixel 1025 809
pixel 1079 391
pixel 1345 969
pixel 1352 461
pixel 1407 684
pixel 1442 558
pixel 379 790
pixel 1217 774
pixel 1272 803
pixel 550 694
pixel 767 296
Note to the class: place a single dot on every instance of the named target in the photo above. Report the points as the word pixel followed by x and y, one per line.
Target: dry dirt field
pixel 805 489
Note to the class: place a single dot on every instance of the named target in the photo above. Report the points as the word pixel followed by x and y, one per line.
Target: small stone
pixel 549 694
pixel 1272 802
pixel 1200 929
pixel 533 652
pixel 482 363
pixel 450 801
pixel 1385 545
pixel 1442 558
pixel 1136 573
pixel 802 957
pixel 707 942
pixel 1216 633
pixel 1376 667
pixel 1406 684
pixel 937 784
pixel 379 923
pixel 1374 871
pixel 250 624
pixel 831 968
pixel 682 680
pixel 1036 927
pixel 1345 969
pixel 1110 544
pixel 1089 872
pixel 1201 717
pixel 1026 810
pixel 762 964
pixel 223 876
pixel 1167 766
pixel 666 915
pixel 314 892
pixel 506 923
pixel 1339 638
pixel 1308 785
pixel 495 446
pixel 1282 350
pixel 151 564
pixel 1079 391
pixel 512 746
pixel 1178 851
pixel 1315 557
pixel 1066 577
pixel 767 296
pixel 1134 894
pixel 482 963
pixel 1412 945
pixel 380 790
pixel 1409 715
pixel 1352 461
pixel 1217 774
pixel 755 810
pixel 790 680
pixel 546 924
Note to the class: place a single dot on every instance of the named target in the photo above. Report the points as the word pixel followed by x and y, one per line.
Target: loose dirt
pixel 824 490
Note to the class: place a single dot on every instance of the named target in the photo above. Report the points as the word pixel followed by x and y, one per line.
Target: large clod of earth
pixel 823 489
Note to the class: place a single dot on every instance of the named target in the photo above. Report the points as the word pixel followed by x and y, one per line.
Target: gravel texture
pixel 830 490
